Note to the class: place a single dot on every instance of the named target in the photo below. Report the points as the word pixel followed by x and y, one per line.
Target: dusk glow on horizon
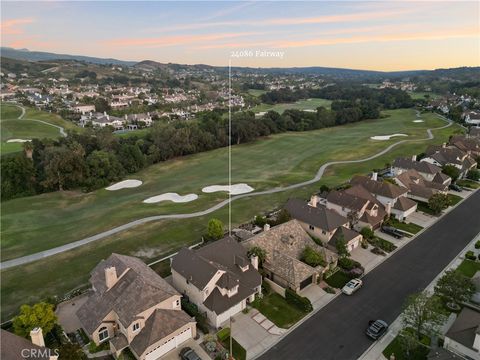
pixel 361 35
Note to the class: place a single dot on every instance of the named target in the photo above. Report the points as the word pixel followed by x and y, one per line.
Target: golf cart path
pixel 20 117
pixel 60 249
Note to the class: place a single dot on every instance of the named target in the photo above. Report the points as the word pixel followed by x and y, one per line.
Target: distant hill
pixel 27 55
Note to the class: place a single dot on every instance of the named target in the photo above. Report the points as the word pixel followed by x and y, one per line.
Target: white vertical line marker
pixel 230 147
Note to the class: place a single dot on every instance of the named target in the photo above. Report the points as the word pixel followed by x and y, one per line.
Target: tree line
pixel 97 157
pixel 385 98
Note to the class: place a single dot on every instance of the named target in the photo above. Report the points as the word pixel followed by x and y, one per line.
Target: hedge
pixel 189 307
pixel 348 264
pixel 470 255
pixel 300 302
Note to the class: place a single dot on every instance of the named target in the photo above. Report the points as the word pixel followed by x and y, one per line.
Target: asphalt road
pixel 337 330
pixel 60 249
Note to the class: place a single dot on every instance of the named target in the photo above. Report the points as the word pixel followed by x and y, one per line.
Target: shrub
pixel 470 255
pixel 202 323
pixel 348 264
pixel 312 257
pixel 477 245
pixel 378 251
pixel 189 307
pixel 260 221
pixel 473 174
pixel 382 244
pixel 266 288
pixel 367 233
pixel 223 334
pixel 300 302
pixel 329 289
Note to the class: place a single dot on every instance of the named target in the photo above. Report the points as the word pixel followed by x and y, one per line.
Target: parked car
pixel 188 354
pixel 352 286
pixel 392 232
pixel 376 329
pixel 455 187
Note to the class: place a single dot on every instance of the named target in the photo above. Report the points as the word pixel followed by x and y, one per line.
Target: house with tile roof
pixel 322 223
pixel 14 347
pixel 284 245
pixel 466 143
pixel 426 169
pixel 463 337
pixel 219 278
pixel 450 155
pixel 132 306
pixel 392 197
pixel 419 188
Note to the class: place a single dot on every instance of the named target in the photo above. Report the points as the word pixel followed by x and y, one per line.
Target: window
pixel 103 334
pixel 311 227
pixel 177 303
pixel 136 326
pixel 324 232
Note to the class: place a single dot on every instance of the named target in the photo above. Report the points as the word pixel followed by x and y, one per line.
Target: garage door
pixel 306 282
pixel 169 345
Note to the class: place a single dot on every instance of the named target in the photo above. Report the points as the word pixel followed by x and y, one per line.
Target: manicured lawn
pixel 469 267
pixel 338 280
pixel 410 227
pixel 421 95
pixel 468 183
pixel 278 311
pixel 256 92
pixel 44 221
pixel 454 199
pixel 308 104
pixel 395 347
pixel 423 207
pixel 383 244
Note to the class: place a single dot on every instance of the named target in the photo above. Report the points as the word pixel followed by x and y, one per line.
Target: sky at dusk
pixel 387 35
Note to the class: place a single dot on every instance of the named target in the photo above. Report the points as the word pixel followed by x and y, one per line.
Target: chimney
pixel 110 276
pixel 414 158
pixel 444 145
pixel 254 261
pixel 105 113
pixel 37 337
pixel 266 227
pixel 374 176
pixel 388 207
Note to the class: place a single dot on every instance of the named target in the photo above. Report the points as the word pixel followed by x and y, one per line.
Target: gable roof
pixel 346 200
pixel 379 187
pixel 12 346
pixel 226 255
pixel 465 327
pixel 137 289
pixel 159 325
pixel 420 166
pixel 319 216
pixel 345 233
pixel 403 204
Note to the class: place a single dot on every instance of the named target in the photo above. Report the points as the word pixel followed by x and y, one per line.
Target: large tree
pixel 214 229
pixel 423 314
pixel 451 171
pixel 18 177
pixel 39 315
pixel 455 286
pixel 438 202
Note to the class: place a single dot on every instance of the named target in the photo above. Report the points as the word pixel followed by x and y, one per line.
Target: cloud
pixel 14 26
pixel 174 40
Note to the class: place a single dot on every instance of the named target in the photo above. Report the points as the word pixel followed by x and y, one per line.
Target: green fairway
pixel 421 95
pixel 41 222
pixel 256 92
pixel 308 104
pixel 27 128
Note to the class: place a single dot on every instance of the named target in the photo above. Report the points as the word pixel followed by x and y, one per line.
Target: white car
pixel 352 286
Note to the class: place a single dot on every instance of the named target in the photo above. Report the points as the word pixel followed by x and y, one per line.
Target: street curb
pixel 309 315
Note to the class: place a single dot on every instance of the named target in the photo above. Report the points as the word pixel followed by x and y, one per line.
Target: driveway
pixel 365 257
pixel 337 331
pixel 66 313
pixel 421 219
pixel 175 353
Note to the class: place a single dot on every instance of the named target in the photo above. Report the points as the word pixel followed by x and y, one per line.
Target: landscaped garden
pixel 419 352
pixel 338 279
pixel 468 183
pixel 409 227
pixel 469 267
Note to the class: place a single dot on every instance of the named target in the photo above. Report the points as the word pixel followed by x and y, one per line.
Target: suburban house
pixel 284 245
pixel 451 155
pixel 219 278
pixel 428 171
pixel 83 109
pixel 463 337
pixel 139 119
pixel 355 202
pixel 323 223
pixel 471 118
pixel 392 197
pixel 14 347
pixel 419 188
pixel 131 306
pixel 468 144
pixel 102 120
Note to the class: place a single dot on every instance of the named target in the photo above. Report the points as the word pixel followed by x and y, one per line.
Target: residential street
pixel 337 331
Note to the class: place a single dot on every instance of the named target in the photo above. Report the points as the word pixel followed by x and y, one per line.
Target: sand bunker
pixel 18 140
pixel 171 197
pixel 386 137
pixel 236 189
pixel 418 121
pixel 126 184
